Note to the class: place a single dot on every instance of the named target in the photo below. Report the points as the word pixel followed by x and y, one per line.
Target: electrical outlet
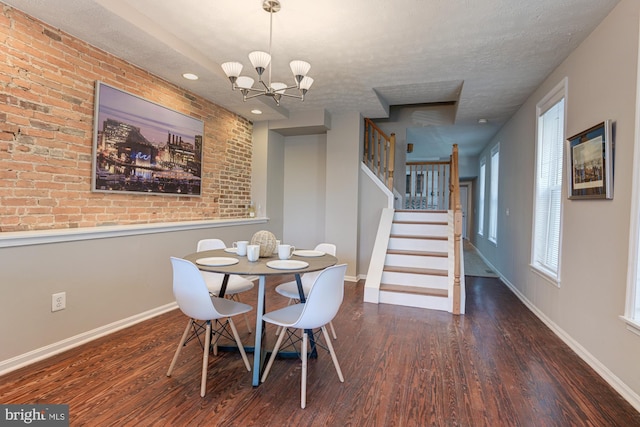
pixel 59 301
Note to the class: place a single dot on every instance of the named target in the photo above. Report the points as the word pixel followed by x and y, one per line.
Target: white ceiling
pixel 366 55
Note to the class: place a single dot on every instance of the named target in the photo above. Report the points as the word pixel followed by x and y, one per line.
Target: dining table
pixel 227 262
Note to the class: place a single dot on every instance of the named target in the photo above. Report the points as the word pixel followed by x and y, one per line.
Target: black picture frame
pixel 140 147
pixel 590 161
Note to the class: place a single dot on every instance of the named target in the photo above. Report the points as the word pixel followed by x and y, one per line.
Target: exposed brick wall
pixel 47 81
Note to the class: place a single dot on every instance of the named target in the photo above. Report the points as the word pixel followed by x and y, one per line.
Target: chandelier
pixel 261 61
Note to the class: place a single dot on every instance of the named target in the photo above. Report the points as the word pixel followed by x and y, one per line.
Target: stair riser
pixel 421 216
pixel 412 300
pixel 427 245
pixel 441 263
pixel 417 280
pixel 419 229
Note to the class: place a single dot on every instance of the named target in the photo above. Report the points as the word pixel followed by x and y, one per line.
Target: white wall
pixel 106 279
pixel 267 178
pixel 585 309
pixel 327 164
pixel 344 152
pixel 372 198
pixel 305 190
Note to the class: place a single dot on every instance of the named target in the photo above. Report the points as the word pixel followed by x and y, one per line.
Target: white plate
pixel 231 250
pixel 287 264
pixel 308 253
pixel 217 261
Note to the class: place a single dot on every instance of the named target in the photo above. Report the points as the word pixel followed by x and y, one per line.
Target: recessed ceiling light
pixel 256 111
pixel 483 121
pixel 190 76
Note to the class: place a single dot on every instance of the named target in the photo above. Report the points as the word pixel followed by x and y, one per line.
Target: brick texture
pixel 47 81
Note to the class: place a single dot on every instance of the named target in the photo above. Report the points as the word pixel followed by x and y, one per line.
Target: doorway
pixel 466 204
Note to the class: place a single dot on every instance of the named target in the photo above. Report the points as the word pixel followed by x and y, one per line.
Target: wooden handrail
pixel 379 152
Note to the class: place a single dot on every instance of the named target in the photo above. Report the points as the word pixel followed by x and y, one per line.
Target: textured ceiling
pixel 366 55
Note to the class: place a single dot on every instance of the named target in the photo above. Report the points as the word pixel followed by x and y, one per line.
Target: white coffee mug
pixel 241 247
pixel 285 251
pixel 253 252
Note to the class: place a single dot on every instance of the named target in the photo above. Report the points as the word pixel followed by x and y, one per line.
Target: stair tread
pixel 413 236
pixel 414 290
pixel 421 222
pixel 421 210
pixel 415 270
pixel 418 253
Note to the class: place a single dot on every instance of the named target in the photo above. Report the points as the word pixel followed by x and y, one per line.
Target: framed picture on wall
pixel 141 147
pixel 590 162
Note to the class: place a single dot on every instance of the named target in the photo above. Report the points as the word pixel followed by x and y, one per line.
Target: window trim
pixel 554 96
pixel 632 300
pixel 482 187
pixel 493 209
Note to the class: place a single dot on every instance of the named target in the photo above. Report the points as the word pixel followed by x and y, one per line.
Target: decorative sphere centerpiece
pixel 267 242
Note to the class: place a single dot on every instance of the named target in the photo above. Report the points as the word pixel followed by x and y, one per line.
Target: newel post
pixel 392 161
pixel 457 229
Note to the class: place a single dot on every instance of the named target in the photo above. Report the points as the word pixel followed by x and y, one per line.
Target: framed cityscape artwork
pixel 590 162
pixel 141 147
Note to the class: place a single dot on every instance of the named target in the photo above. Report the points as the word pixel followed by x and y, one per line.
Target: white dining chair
pixel 197 304
pixel 321 306
pixel 236 284
pixel 290 289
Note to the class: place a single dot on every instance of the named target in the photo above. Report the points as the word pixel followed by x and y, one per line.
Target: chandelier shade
pixel 306 83
pixel 261 62
pixel 299 68
pixel 244 82
pixel 232 69
pixel 279 87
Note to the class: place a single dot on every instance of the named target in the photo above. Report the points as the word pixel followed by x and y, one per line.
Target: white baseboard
pixel 627 393
pixel 25 359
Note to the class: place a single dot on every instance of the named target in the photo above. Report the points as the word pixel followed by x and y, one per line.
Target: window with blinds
pixel 493 194
pixel 483 170
pixel 547 222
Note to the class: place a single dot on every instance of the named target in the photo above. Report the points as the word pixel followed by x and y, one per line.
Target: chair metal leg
pixel 180 345
pixel 205 360
pixel 239 343
pixel 274 353
pixel 333 353
pixel 303 384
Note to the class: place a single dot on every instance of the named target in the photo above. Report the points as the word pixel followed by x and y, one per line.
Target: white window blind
pixel 548 188
pixel 481 197
pixel 493 194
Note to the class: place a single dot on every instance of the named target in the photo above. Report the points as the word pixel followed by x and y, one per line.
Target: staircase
pixel 416 266
pixel 412 261
pixel 417 255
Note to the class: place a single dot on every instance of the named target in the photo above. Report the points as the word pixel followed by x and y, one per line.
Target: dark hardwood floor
pixel 498 365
